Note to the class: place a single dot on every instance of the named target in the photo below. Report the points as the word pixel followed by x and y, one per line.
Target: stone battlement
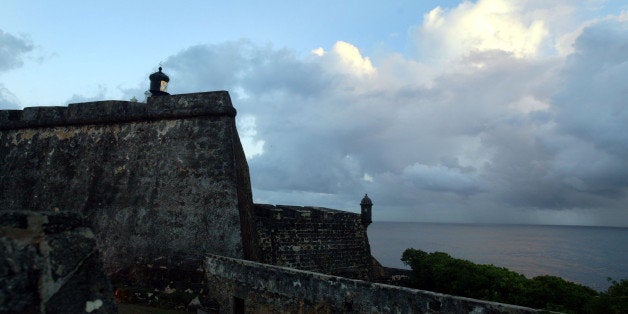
pixel 259 288
pixel 279 212
pixel 118 111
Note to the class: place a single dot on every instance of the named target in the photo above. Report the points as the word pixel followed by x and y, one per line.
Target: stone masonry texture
pixel 257 288
pixel 314 238
pixel 49 263
pixel 153 179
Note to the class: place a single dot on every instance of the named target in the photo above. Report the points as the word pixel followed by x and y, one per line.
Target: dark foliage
pixel 440 272
pixel 614 299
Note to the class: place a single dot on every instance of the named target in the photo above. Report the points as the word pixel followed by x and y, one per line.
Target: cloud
pixel 244 66
pixel 527 28
pixel 485 25
pixel 12 50
pixel 248 136
pixel 346 58
pixel 441 178
pixel 489 122
pixel 591 112
pixel 100 95
pixel 7 99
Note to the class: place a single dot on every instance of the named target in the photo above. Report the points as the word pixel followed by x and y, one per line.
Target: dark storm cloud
pixel 593 104
pixel 591 113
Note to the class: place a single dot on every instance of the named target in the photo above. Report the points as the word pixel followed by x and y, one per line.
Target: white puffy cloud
pixel 521 28
pixel 346 58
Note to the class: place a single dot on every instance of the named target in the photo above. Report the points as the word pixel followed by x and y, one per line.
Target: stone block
pixel 49 263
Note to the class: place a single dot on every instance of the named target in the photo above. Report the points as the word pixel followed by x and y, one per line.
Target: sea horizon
pixel 500 223
pixel 586 255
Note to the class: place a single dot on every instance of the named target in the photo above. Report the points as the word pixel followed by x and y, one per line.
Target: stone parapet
pixel 239 285
pixel 117 111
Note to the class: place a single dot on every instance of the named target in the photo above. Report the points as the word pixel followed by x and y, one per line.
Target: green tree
pixel 440 272
pixel 557 294
pixel 613 300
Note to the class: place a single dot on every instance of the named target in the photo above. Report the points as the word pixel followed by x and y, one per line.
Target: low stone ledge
pixel 49 264
pixel 255 287
pixel 117 111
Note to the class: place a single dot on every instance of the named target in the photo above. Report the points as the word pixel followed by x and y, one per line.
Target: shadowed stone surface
pixel 155 179
pixel 165 282
pixel 314 238
pixel 260 288
pixel 49 264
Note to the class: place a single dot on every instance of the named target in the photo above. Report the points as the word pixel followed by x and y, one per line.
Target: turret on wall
pixel 366 205
pixel 159 83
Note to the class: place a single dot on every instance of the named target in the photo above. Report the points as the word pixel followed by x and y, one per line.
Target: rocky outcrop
pixel 49 263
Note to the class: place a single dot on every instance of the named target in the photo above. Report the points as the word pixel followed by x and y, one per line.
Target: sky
pixel 487 111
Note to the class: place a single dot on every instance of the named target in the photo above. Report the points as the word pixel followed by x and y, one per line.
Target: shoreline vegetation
pixel 439 272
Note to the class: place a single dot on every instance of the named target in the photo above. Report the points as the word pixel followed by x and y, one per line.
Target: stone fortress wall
pixel 153 179
pixel 165 177
pixel 317 239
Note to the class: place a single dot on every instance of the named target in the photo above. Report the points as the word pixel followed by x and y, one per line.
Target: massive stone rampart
pixel 315 239
pixel 153 178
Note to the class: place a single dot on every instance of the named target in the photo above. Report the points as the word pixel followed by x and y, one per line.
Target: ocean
pixel 585 255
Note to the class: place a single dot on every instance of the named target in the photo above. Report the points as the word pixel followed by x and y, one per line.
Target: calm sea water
pixel 586 255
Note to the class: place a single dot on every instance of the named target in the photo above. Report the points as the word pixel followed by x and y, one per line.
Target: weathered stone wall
pixel 49 264
pixel 153 179
pixel 313 238
pixel 259 288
